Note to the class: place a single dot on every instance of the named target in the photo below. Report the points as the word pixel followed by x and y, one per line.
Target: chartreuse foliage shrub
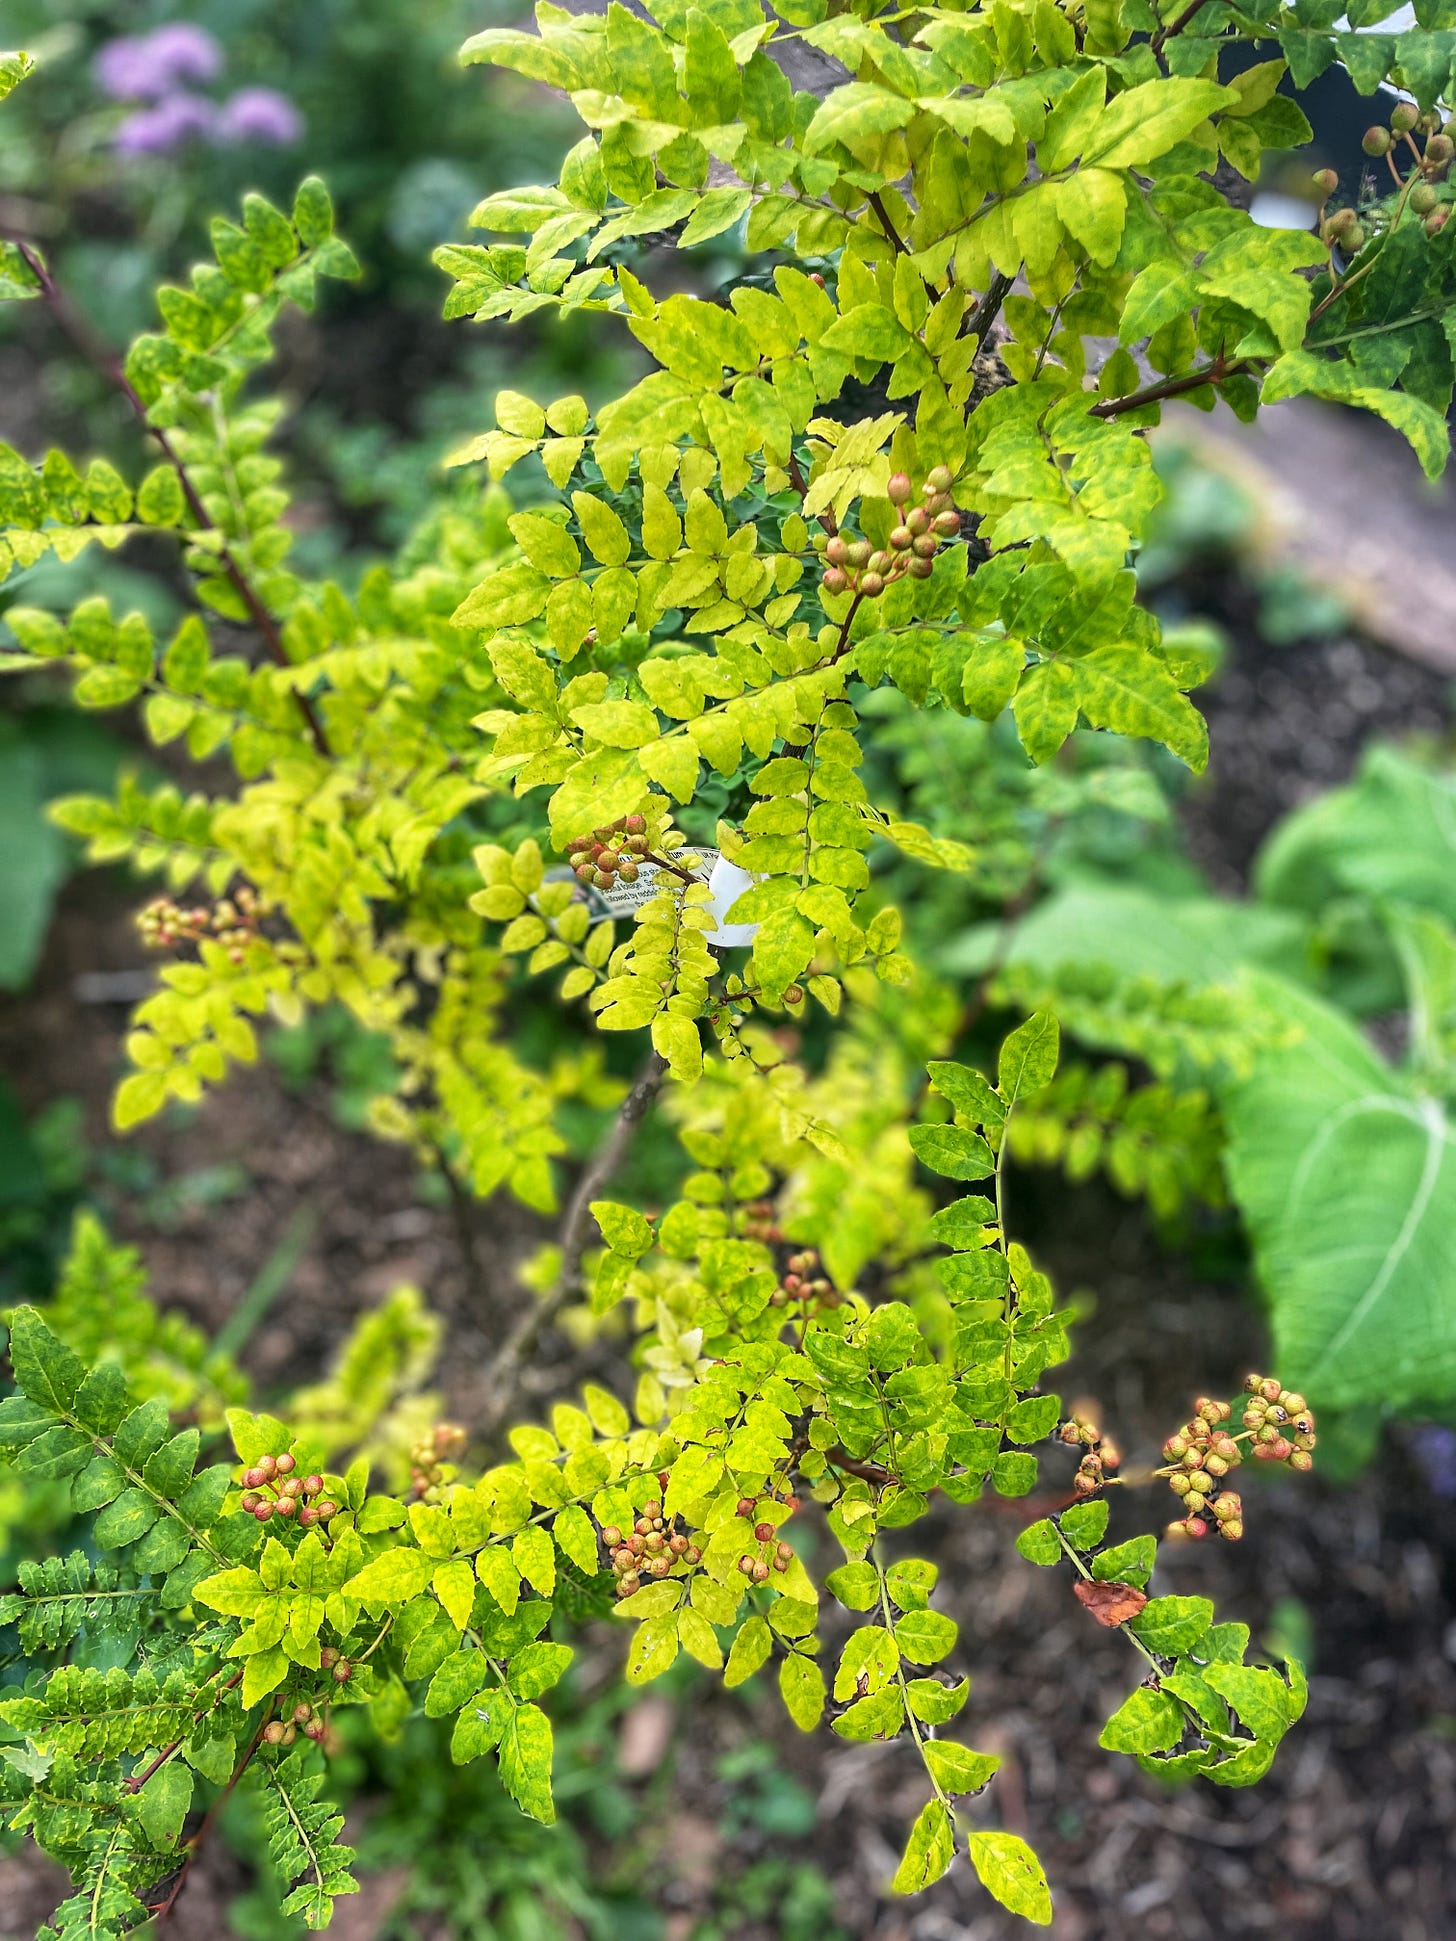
pixel 881 460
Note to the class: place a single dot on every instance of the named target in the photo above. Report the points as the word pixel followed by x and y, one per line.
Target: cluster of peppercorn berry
pixel 1432 153
pixel 232 922
pixel 1203 1452
pixel 757 1220
pixel 651 1547
pixel 1100 1455
pixel 1281 1423
pixel 852 566
pixel 799 1282
pixel 270 1488
pixel 773 1553
pixel 614 851
pixel 433 1460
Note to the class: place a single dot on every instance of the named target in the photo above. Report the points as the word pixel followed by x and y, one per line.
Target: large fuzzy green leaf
pixel 1346 1176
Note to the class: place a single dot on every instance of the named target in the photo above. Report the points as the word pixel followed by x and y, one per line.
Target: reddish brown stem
pixel 99 354
pixel 1171 387
pixel 137 1780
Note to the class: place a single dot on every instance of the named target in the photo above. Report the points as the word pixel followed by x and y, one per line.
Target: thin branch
pixel 882 216
pixel 500 1377
pixel 1177 24
pixel 100 355
pixel 893 237
pixel 1171 387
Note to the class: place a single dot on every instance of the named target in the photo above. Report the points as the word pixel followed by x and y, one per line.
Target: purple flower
pixel 146 67
pixel 167 126
pixel 1434 1448
pixel 259 115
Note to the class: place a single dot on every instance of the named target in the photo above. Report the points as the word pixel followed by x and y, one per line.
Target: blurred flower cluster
pixel 161 71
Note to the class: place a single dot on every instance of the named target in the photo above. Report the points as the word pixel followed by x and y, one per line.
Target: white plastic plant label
pixel 726 883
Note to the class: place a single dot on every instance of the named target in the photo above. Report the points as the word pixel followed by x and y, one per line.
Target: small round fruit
pixel 1326 181
pixel 1404 116
pixel 859 553
pixel 1376 141
pixel 285 1464
pixel 834 581
pixel 837 551
pixel 947 524
pixel 899 488
pixel 872 585
pixel 939 479
pixel 1423 198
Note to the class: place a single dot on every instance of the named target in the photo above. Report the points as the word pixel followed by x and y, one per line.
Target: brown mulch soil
pixel 1350 1836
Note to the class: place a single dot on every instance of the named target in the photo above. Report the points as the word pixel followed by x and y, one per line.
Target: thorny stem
pixel 100 355
pixel 501 1374
pixel 194 1845
pixel 1172 387
pixel 136 1781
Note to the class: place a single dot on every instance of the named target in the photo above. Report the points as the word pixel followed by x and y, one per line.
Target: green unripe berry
pixel 1439 151
pixel 1404 117
pixel 1354 238
pixel 834 581
pixel 1376 141
pixel 290 1735
pixel 920 569
pixel 917 520
pixel 872 586
pixel 1423 198
pixel 947 524
pixel 939 479
pixel 329 1657
pixel 902 539
pixel 899 488
pixel 1326 181
pixel 925 546
pixel 858 554
pixel 273 1733
pixel 343 1672
pixel 1301 1460
pixel 837 550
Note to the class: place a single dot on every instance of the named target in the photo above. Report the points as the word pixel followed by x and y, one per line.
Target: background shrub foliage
pixel 639 739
